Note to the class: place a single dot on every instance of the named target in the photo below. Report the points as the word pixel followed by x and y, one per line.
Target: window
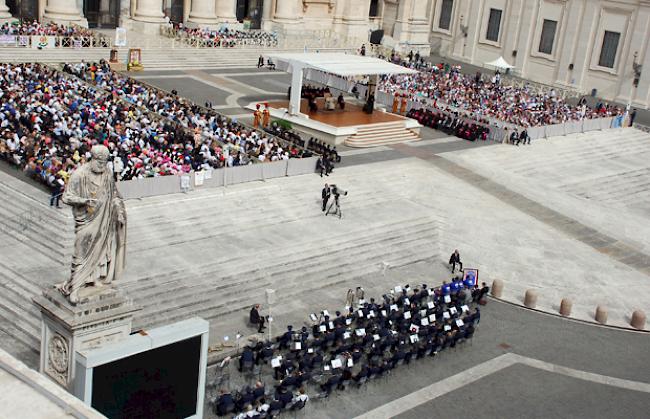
pixel 548 36
pixel 609 49
pixel 494 25
pixel 445 14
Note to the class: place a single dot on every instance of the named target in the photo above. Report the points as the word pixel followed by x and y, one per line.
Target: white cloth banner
pixel 40 42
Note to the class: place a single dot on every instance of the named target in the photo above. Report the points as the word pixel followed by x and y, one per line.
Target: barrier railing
pixel 51 42
pixel 256 40
pixel 164 185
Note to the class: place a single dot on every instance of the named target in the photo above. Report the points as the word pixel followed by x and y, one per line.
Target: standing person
pixel 260 62
pixel 349 298
pixel 359 294
pixel 363 50
pixel 256 319
pixel 266 116
pixel 341 101
pixel 57 191
pixel 396 103
pixel 632 117
pixel 325 194
pixel 455 259
pixel 257 115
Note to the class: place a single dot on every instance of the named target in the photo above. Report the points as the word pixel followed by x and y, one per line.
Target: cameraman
pixel 337 192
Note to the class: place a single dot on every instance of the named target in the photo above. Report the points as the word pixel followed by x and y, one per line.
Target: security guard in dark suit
pixel 325 194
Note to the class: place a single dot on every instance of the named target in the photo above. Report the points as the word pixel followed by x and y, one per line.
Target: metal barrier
pixel 53 42
pixel 220 41
pixel 164 185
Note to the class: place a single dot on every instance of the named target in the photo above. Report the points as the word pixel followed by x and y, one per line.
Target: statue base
pixel 102 315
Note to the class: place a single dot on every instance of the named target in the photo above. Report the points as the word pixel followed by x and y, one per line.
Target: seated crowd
pixel 349 349
pixel 451 123
pixel 480 97
pixel 227 37
pixel 310 147
pixel 48 29
pixel 208 128
pixel 49 121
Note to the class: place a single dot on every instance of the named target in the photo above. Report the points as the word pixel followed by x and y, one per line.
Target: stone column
pixel 62 11
pixel 627 93
pixel 286 11
pixel 149 11
pixel 642 93
pixel 4 10
pixel 267 15
pixel 203 12
pixel 565 57
pixel 586 40
pixel 356 18
pixel 227 10
pixel 523 43
pixel 412 26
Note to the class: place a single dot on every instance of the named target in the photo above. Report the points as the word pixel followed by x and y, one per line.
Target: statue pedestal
pixel 102 316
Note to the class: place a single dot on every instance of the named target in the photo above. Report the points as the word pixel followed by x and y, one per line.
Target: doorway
pixel 23 9
pixel 102 13
pixel 250 10
pixel 176 11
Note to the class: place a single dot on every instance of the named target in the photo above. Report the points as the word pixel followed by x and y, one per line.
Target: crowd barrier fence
pixel 52 42
pixel 164 185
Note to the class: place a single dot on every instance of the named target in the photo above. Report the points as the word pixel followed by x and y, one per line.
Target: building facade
pixel 577 44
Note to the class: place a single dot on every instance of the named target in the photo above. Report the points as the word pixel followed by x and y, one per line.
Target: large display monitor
pixel 158 373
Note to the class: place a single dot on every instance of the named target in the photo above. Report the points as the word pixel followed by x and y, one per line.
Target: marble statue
pixel 100 228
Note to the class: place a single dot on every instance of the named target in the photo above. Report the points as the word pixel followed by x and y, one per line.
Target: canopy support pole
pixel 296 89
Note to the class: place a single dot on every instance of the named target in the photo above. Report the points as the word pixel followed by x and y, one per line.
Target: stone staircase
pixel 212 253
pixel 381 134
pixel 36 244
pixel 153 58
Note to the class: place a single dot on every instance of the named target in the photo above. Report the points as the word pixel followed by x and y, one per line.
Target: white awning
pixel 500 63
pixel 341 64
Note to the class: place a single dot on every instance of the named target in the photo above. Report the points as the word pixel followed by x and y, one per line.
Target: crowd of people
pixel 49 121
pixel 451 124
pixel 369 340
pixel 226 37
pixel 35 27
pixel 480 96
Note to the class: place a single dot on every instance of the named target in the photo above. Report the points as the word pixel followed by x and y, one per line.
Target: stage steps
pixel 382 134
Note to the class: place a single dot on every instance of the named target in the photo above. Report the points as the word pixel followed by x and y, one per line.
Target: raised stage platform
pixel 350 126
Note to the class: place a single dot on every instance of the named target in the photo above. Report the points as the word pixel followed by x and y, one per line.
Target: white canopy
pixel 341 64
pixel 500 63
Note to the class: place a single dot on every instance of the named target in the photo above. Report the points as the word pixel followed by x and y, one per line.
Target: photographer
pixel 337 192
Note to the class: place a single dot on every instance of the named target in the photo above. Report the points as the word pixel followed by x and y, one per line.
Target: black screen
pixel 160 383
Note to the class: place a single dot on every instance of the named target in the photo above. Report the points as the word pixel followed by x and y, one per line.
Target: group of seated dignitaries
pixel 349 349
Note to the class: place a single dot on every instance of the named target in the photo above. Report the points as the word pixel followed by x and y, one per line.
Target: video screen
pixel 159 383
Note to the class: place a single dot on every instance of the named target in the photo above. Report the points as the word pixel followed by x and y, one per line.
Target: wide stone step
pixel 360 141
pixel 315 250
pixel 199 229
pixel 280 267
pixel 219 303
pixel 38 226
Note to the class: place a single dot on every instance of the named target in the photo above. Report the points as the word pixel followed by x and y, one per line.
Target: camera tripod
pixel 337 207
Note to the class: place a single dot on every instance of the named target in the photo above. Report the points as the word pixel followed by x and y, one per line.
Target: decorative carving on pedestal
pixel 66 328
pixel 58 354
